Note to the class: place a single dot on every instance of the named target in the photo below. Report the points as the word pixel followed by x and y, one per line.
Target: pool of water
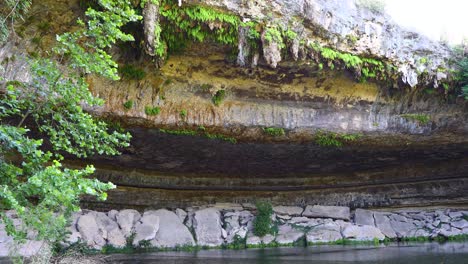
pixel 415 253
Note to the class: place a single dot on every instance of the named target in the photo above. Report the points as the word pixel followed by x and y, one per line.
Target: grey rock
pixel 455 215
pixel 32 248
pixel 116 238
pixel 231 222
pixel 288 235
pixel 402 229
pixel 362 233
pixel 460 224
pixel 324 234
pixel 208 228
pixel 112 213
pixel 299 219
pixel 283 217
pixel 104 223
pixel 436 223
pixel 335 212
pixel 398 218
pixel 288 210
pixel 126 219
pixel 91 234
pixel 420 217
pixel 181 214
pixel 253 240
pixel 364 217
pixel 382 222
pixel 146 229
pixel 172 232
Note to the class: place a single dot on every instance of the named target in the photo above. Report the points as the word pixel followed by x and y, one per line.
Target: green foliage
pixel 420 118
pixel 262 223
pixel 273 34
pixel 192 22
pixel 376 6
pixel 131 72
pixel 218 97
pixel 152 111
pixel 11 11
pixel 128 104
pixel 463 77
pixel 370 68
pixel 101 31
pixel 200 132
pixel 32 181
pixel 183 113
pixel 274 131
pixel 331 139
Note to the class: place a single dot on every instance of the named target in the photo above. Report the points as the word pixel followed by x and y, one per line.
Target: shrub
pixel 131 72
pixel 218 97
pixel 274 131
pixel 376 6
pixel 151 111
pixel 262 223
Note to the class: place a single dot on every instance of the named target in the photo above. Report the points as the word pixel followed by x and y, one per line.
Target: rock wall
pixel 224 224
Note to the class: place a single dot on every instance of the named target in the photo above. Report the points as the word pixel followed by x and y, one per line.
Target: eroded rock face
pixel 336 212
pixel 351 28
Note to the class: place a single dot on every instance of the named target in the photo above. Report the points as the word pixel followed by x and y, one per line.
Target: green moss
pixel 218 97
pixel 274 131
pixel 221 137
pixel 420 118
pixel 201 131
pixel 331 139
pixel 44 26
pixel 36 40
pixel 130 72
pixel 152 111
pixel 128 105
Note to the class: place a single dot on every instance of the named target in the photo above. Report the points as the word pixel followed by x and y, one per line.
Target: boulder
pixel 146 228
pixel 324 234
pixel 116 238
pixel 172 232
pixel 455 215
pixel 461 224
pixel 288 235
pixel 208 227
pixel 91 234
pixel 127 219
pixel 288 210
pixel 364 217
pixel 253 240
pixel 112 213
pixel 335 212
pixel 402 229
pixel 181 214
pixel 363 233
pixel 382 222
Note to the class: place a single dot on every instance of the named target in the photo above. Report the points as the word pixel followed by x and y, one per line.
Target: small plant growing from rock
pixel 183 113
pixel 152 111
pixel 331 139
pixel 274 131
pixel 420 118
pixel 218 97
pixel 262 223
pixel 130 72
pixel 128 105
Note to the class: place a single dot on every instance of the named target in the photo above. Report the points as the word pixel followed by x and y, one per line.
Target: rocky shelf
pixel 231 226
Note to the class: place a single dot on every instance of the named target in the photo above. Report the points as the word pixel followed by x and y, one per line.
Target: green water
pixel 422 253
